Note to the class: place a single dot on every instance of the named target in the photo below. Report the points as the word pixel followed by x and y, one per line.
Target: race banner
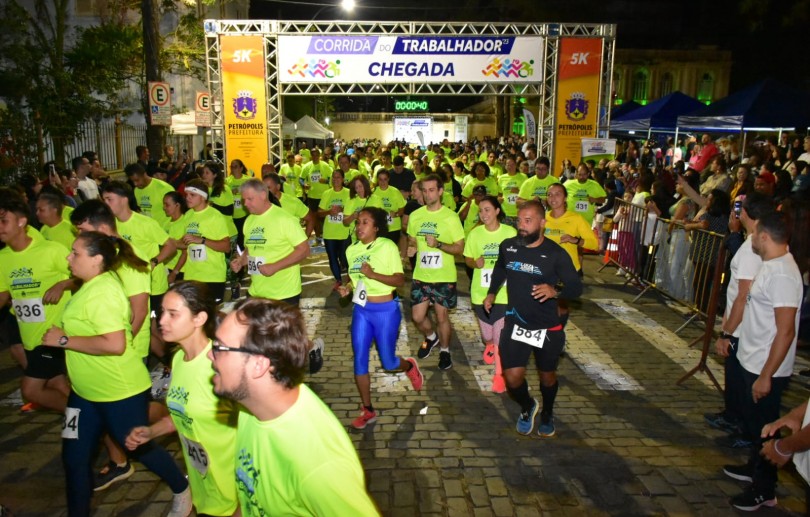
pixel 577 97
pixel 461 127
pixel 160 104
pixel 244 102
pixel 598 148
pixel 410 59
pixel 202 110
pixel 530 122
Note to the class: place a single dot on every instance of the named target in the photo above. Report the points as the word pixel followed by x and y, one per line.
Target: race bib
pixel 430 259
pixel 253 265
pixel 535 338
pixel 315 178
pixel 195 452
pixel 486 277
pixel 360 296
pixel 581 206
pixel 197 252
pixel 237 204
pixel 70 423
pixel 29 310
pixel 512 199
pixel 338 219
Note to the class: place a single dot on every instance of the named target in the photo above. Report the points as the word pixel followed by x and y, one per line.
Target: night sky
pixel 767 37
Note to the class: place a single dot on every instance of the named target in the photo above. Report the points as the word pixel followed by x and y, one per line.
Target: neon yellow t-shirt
pixel 150 199
pixel 176 230
pixel 300 463
pixel 389 200
pixel 578 194
pixel 350 175
pixel 64 233
pixel 66 211
pixel 146 236
pixel 333 227
pixel 224 200
pixel 313 174
pixel 293 177
pixel 484 243
pixel 383 257
pixel 269 237
pixel 447 196
pixel 472 216
pixel 26 275
pixel 353 207
pixel 535 187
pixel 572 224
pixel 205 264
pixel 233 185
pixel 101 307
pixel 489 182
pixel 137 282
pixel 432 264
pixel 505 185
pixel 206 426
pixel 293 205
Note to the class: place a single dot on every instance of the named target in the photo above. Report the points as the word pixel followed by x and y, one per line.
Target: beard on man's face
pixel 525 238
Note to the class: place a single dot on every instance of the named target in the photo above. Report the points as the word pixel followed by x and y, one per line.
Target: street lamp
pixel 345 5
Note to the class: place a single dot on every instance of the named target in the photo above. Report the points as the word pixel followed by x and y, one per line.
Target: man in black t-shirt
pixel 536 271
pixel 401 178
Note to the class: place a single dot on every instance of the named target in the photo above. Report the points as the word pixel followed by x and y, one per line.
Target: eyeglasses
pixel 217 347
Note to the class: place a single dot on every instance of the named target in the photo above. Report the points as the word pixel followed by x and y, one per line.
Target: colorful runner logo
pixel 315 68
pixel 508 67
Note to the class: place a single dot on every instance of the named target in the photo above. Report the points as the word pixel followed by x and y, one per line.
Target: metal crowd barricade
pixel 625 248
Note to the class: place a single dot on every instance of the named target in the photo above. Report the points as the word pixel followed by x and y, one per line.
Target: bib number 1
pixel 534 338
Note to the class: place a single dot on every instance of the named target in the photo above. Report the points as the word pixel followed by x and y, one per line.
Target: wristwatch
pixel 63 341
pixel 438 245
pixel 203 241
pixel 725 335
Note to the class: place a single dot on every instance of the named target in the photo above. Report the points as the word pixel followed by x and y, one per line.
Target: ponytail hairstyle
pixel 197 298
pixel 179 199
pixel 114 251
pixel 219 178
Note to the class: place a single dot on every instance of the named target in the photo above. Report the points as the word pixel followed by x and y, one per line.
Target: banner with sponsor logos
pixel 244 102
pixel 598 148
pixel 407 59
pixel 577 97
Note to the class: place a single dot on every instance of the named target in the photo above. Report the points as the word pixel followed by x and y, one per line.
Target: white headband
pixel 195 190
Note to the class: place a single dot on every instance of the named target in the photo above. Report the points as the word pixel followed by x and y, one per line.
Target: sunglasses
pixel 217 347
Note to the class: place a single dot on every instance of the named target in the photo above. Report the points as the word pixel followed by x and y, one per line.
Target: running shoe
pixel 753 499
pixel 721 422
pixel 29 407
pixel 181 504
pixel 366 417
pixel 734 441
pixel 546 429
pixel 489 354
pixel 316 356
pixel 445 360
pixel 112 473
pixel 525 423
pixel 498 384
pixel 739 472
pixel 427 347
pixel 415 375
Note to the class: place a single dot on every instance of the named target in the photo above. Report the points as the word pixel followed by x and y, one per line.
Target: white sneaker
pixel 181 504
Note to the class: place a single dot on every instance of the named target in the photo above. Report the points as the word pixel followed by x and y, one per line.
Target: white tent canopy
pixel 308 127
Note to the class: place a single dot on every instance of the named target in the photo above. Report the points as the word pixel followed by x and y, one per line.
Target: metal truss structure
pixel 544 90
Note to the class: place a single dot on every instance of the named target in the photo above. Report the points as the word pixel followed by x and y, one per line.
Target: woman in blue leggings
pixel 375 270
pixel 110 383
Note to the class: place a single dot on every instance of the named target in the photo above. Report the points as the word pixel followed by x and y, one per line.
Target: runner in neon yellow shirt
pixel 484 177
pixel 509 185
pixel 174 204
pixel 389 199
pixel 54 227
pixel 35 278
pixel 206 240
pixel 537 186
pixel 335 234
pixel 290 203
pixel 584 194
pixel 275 246
pixel 149 192
pixel 205 424
pixel 233 182
pixel 316 176
pixel 435 236
pixel 219 195
pixel 360 194
pixel 293 456
pixel 375 269
pixel 480 253
pixel 109 382
pixel 292 176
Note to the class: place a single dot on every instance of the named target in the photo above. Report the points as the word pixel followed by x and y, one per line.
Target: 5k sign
pixel 244 102
pixel 577 96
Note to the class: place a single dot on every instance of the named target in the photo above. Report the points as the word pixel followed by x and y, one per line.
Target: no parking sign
pixel 160 104
pixel 202 110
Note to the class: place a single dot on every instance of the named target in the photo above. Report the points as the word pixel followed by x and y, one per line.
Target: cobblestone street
pixel 629 440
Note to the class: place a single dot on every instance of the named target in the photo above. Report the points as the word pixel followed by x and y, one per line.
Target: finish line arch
pixel 353 58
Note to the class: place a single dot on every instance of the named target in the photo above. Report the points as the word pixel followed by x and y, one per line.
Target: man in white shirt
pixel 767 351
pixel 805 156
pixel 87 185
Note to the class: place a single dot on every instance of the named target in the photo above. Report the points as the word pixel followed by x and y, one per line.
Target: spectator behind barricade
pixel 642 192
pixel 606 213
pixel 783 186
pixel 745 182
pixel 765 183
pixel 801 177
pixel 659 200
pixel 719 179
pixel 88 189
pixel 70 186
pixel 703 252
pixel 704 155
